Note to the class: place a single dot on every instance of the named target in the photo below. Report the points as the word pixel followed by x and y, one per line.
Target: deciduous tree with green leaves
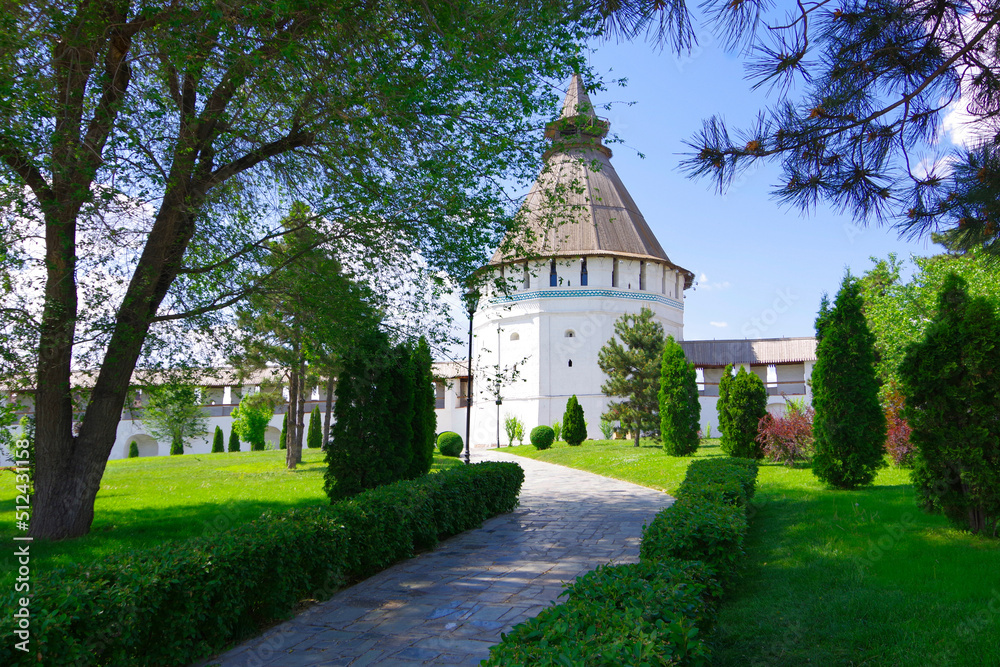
pixel 173 412
pixel 252 416
pixel 153 144
pixel 680 407
pixel 849 427
pixel 631 361
pixel 951 380
pixel 898 312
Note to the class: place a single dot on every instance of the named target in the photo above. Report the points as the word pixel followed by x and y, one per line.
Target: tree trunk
pixel 329 410
pixel 638 432
pixel 301 418
pixel 293 397
pixel 69 469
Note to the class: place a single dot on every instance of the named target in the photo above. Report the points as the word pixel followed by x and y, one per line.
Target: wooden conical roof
pixel 579 206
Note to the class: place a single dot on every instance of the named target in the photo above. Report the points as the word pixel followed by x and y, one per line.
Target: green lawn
pixel 836 577
pixel 146 501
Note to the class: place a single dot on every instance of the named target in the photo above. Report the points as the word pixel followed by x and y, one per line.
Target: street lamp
pixel 471 299
pixel 499 400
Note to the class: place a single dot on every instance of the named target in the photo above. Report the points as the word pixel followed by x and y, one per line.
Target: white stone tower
pixel 586 257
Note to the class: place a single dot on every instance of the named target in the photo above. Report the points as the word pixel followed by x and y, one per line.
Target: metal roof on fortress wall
pixel 716 353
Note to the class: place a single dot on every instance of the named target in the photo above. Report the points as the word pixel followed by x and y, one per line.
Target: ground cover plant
pixel 835 577
pixel 146 501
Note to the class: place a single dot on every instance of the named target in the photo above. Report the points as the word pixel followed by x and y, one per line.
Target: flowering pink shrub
pixel 897 432
pixel 787 439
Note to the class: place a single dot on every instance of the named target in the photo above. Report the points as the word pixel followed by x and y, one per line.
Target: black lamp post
pixel 499 400
pixel 471 302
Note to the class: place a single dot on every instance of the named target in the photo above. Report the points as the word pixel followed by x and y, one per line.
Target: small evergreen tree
pixel 574 429
pixel 176 446
pixel 400 414
pixel 133 450
pixel 361 452
pixel 725 382
pixel 680 409
pixel 849 427
pixel 746 405
pixel 314 437
pixel 424 415
pixel 952 403
pixel 217 441
pixel 283 439
pixel 632 367
pixel 234 441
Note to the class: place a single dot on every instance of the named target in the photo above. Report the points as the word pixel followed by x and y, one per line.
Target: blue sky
pixel 761 268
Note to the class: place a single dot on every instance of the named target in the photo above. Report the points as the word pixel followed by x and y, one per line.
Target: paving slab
pixel 451 604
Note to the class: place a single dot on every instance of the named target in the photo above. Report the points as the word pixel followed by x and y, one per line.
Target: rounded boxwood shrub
pixel 450 443
pixel 542 437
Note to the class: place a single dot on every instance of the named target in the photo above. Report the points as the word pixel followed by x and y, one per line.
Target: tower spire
pixel 577 101
pixel 578 125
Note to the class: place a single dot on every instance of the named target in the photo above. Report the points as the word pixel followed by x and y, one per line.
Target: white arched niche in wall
pixel 147 446
pixel 515 336
pixel 569 333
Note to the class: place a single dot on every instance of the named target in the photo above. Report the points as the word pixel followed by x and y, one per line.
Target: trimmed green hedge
pixel 661 610
pixel 653 613
pixel 180 602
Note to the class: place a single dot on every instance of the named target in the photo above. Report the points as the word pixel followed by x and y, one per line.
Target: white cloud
pixel 721 325
pixel 706 284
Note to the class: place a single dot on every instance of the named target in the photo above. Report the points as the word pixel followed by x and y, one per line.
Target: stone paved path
pixel 449 605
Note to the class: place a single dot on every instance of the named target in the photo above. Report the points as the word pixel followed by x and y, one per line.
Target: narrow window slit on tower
pixel 553 276
pixel 571 363
pixel 642 275
pixel 614 273
pixel 583 272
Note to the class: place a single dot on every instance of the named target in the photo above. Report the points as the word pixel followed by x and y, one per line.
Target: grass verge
pixel 835 577
pixel 147 501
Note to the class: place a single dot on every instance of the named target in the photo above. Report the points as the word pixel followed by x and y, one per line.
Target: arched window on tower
pixel 553 276
pixel 614 273
pixel 571 363
pixel 527 276
pixel 642 275
pixel 570 333
pixel 583 272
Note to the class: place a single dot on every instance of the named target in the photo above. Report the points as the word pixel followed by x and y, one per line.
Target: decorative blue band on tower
pixel 590 293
